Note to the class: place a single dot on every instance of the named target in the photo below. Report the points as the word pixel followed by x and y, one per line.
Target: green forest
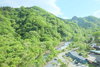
pixel 28 33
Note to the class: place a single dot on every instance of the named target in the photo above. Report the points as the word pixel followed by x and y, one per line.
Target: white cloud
pixel 49 5
pixel 97 13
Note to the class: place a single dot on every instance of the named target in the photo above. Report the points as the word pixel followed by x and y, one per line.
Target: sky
pixel 61 8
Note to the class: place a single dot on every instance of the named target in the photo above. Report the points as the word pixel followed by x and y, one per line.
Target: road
pixel 55 61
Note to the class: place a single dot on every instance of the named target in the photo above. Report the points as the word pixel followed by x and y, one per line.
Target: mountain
pixel 86 22
pixel 28 33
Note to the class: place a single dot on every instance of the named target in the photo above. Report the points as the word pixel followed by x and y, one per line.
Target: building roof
pixel 74 53
pixel 97 47
pixel 93 58
pixel 95 51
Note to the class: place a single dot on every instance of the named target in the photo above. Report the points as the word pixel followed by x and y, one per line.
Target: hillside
pixel 86 22
pixel 27 33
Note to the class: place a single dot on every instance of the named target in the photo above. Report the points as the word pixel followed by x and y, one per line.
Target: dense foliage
pixel 28 33
pixel 87 22
pixel 91 28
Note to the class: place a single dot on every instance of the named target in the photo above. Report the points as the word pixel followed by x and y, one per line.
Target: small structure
pixel 94 45
pixel 94 58
pixel 95 52
pixel 97 47
pixel 75 56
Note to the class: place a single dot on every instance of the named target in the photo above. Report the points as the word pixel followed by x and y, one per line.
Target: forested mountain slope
pixel 26 33
pixel 89 23
pixel 86 22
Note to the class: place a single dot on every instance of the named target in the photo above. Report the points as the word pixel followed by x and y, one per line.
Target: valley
pixel 27 33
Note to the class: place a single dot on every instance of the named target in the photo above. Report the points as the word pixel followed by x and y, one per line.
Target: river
pixel 54 62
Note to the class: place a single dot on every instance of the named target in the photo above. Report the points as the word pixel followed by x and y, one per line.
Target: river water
pixel 54 62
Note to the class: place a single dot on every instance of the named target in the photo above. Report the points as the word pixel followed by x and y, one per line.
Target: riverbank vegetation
pixel 27 33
